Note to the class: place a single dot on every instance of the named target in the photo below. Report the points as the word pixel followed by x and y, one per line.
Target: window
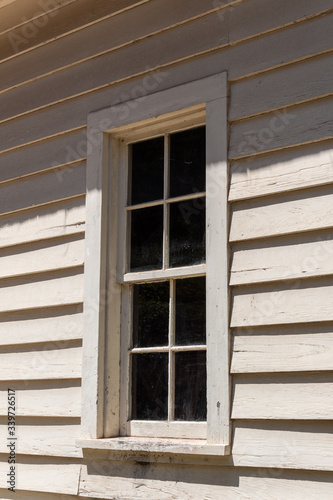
pixel 156 294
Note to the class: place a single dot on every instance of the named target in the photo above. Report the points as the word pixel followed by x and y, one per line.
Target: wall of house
pixel 60 61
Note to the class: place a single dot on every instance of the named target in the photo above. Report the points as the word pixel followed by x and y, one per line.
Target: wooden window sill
pixel 192 447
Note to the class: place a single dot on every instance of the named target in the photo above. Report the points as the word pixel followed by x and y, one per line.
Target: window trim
pixel 208 95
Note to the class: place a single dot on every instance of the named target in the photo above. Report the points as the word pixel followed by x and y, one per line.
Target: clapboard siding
pixel 48 221
pixel 283 397
pixel 285 86
pixel 49 255
pixel 285 348
pixel 49 290
pixel 290 257
pixel 45 436
pixel 51 185
pixel 285 214
pixel 294 302
pixel 52 361
pixel 53 325
pixel 289 170
pixel 47 398
pixel 65 150
pixel 163 482
pixel 301 124
pixel 44 25
pixel 286 445
pixel 50 475
pixel 204 34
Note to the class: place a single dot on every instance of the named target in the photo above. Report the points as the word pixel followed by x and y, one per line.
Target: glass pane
pixel 187 161
pixel 190 390
pixel 151 314
pixel 147 170
pixel 150 386
pixel 147 238
pixel 191 311
pixel 187 232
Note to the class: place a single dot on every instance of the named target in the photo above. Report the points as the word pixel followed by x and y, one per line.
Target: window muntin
pixel 166 335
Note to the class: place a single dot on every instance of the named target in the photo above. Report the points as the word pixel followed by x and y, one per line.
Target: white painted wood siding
pixel 279 63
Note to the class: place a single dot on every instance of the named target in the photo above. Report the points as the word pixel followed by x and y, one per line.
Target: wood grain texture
pixel 301 124
pixel 300 82
pixel 60 360
pixel 283 397
pixel 46 437
pixel 49 221
pixel 284 445
pixel 35 495
pixel 295 302
pixel 106 479
pixel 285 214
pixel 302 167
pixel 287 257
pixel 52 185
pixel 59 253
pixel 60 398
pixel 49 326
pixel 305 349
pixel 49 475
pixel 49 290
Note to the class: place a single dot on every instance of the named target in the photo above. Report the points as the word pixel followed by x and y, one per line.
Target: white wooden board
pixel 283 397
pixel 288 170
pixel 43 398
pixel 308 349
pixel 46 291
pixel 50 221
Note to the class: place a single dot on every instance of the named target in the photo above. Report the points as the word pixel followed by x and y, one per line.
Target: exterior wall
pixel 279 64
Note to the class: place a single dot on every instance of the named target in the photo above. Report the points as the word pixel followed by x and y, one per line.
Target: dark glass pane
pixel 147 238
pixel 150 386
pixel 147 170
pixel 187 161
pixel 191 311
pixel 151 314
pixel 187 232
pixel 190 390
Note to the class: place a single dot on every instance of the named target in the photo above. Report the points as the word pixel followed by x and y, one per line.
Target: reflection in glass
pixel 151 314
pixel 191 311
pixel 150 386
pixel 190 390
pixel 187 232
pixel 187 162
pixel 147 170
pixel 147 238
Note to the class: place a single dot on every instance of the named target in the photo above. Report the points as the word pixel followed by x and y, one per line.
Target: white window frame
pixel 201 101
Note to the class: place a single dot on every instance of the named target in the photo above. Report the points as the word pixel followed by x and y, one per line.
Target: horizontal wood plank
pixel 53 361
pixel 44 475
pixel 295 302
pixel 46 437
pixel 285 214
pixel 107 479
pixel 289 170
pixel 54 325
pixel 35 495
pixel 59 253
pixel 60 398
pixel 289 257
pixel 44 291
pixel 283 398
pixel 49 221
pixel 63 150
pixel 38 189
pixel 304 349
pixel 301 124
pixel 303 81
pixel 286 446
